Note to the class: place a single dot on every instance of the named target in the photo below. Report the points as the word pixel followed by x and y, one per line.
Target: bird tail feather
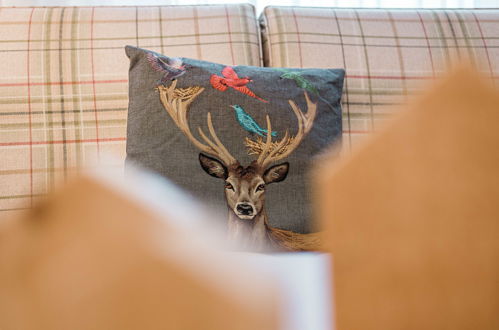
pixel 260 99
pixel 273 133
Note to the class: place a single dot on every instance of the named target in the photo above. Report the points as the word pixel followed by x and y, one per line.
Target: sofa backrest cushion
pixel 387 54
pixel 63 81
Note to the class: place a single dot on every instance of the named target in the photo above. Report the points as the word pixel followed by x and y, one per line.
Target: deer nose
pixel 244 209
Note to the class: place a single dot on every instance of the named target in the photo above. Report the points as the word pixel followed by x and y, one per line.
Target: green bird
pixel 302 83
pixel 248 123
pixel 299 80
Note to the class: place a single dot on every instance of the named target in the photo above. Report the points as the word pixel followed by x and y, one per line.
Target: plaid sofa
pixel 63 87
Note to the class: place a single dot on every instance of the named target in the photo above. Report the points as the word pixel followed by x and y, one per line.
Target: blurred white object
pixel 305 283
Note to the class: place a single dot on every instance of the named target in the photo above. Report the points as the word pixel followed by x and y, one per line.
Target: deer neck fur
pixel 258 235
pixel 252 234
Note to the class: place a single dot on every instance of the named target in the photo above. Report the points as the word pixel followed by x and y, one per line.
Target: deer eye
pixel 229 186
pixel 260 187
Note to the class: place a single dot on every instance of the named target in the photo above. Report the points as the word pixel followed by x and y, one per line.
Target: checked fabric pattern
pixel 387 54
pixel 63 82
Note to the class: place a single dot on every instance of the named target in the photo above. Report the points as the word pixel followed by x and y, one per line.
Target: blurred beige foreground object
pixel 412 219
pixel 93 257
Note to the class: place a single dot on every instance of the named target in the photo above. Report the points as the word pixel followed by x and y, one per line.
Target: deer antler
pixel 269 151
pixel 176 102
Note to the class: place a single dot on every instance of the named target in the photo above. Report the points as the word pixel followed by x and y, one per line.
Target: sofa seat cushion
pixel 387 54
pixel 63 81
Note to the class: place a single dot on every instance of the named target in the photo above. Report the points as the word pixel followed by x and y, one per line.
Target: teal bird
pixel 248 123
pixel 302 83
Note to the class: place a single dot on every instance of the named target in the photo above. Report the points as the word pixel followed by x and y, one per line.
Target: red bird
pixel 230 79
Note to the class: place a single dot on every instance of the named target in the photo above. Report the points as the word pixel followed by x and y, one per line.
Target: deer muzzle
pixel 245 211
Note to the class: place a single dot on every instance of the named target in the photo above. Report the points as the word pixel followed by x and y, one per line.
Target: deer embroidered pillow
pixel 240 138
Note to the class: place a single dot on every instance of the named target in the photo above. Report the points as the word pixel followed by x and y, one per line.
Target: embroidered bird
pixel 302 83
pixel 299 80
pixel 231 79
pixel 171 68
pixel 248 123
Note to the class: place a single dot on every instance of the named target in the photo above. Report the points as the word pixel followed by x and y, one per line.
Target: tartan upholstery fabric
pixel 387 54
pixel 63 81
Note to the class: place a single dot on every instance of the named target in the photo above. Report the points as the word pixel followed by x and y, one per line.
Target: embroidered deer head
pixel 244 185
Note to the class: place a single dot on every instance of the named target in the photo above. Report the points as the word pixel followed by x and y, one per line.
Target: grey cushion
pixel 155 141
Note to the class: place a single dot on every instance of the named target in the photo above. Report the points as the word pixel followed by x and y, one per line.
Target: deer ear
pixel 213 166
pixel 276 173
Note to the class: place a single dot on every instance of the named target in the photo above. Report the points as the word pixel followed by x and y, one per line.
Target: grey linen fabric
pixel 156 143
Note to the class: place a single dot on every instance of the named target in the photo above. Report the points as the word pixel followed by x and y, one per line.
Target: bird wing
pixel 247 119
pixel 217 83
pixel 250 124
pixel 288 75
pixel 229 73
pixel 156 63
pixel 252 127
